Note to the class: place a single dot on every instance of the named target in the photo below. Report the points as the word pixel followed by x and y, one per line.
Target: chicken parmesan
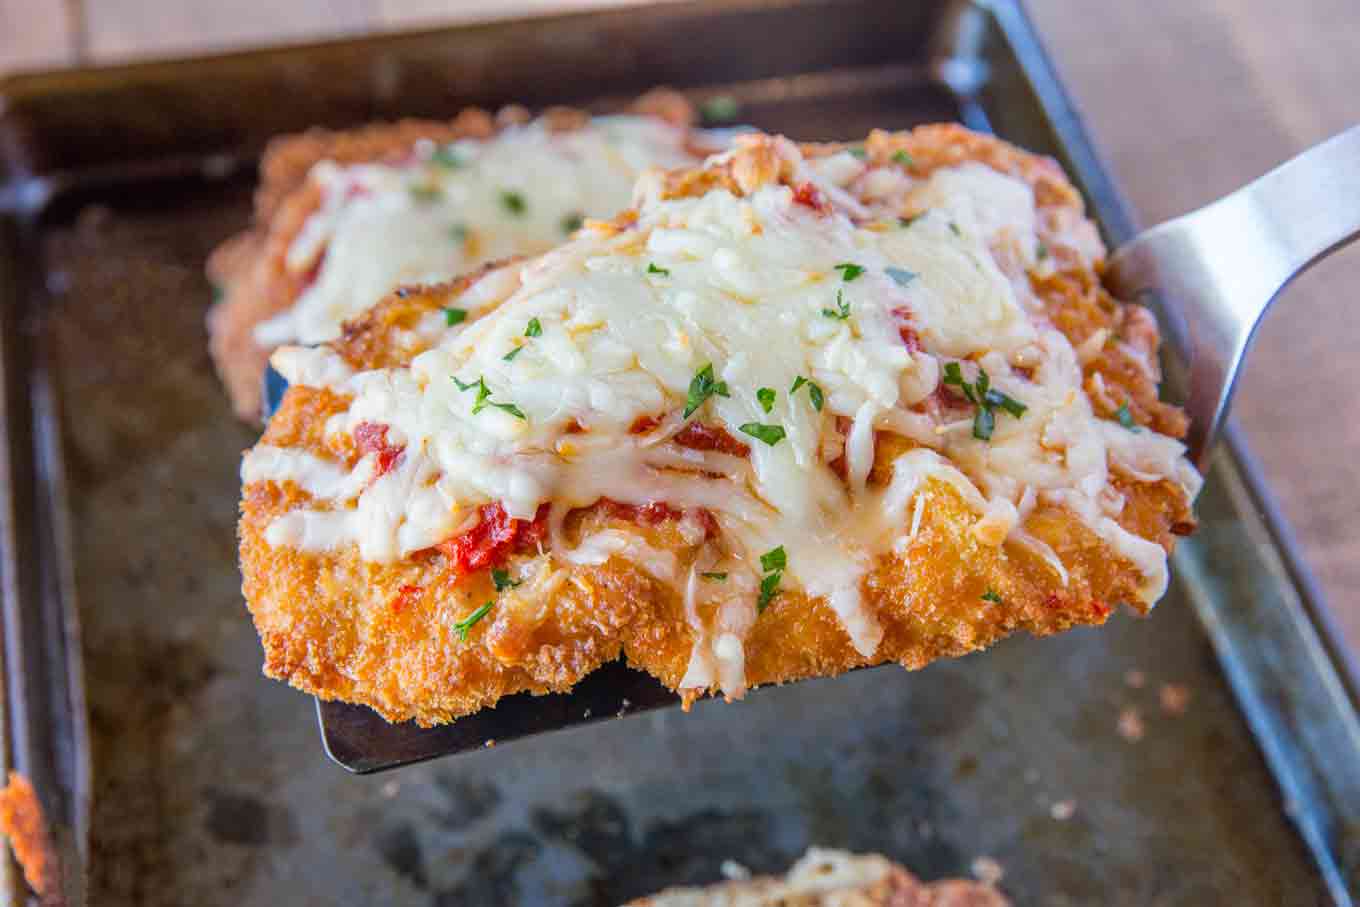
pixel 833 878
pixel 800 409
pixel 343 218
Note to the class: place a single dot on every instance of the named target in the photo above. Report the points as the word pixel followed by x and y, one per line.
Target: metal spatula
pixel 1219 268
pixel 1217 271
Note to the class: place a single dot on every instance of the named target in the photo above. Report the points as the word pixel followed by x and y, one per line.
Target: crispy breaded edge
pixel 833 878
pixel 338 627
pixel 247 271
pixel 23 822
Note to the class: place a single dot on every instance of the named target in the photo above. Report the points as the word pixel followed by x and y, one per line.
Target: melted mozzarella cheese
pixel 447 210
pixel 751 286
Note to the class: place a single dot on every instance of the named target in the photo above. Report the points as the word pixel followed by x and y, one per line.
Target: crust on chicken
pixel 833 878
pixel 250 279
pixel 384 634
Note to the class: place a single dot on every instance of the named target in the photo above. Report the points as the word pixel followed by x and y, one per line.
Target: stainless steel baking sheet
pixel 177 774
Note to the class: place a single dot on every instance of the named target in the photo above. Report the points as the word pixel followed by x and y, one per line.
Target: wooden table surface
pixel 1187 98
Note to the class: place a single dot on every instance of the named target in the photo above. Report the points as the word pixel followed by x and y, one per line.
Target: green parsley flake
pixel 572 222
pixel 510 356
pixel 653 269
pixel 991 596
pixel 454 316
pixel 714 577
pixel 954 228
pixel 502 581
pixel 766 398
pixel 447 157
pixel 217 293
pixel 842 310
pixel 722 108
pixel 514 202
pixel 426 193
pixel 701 387
pixel 858 152
pixel 982 395
pixel 458 232
pixel 849 270
pixel 902 157
pixel 1041 250
pixel 902 276
pixel 463 626
pixel 769 588
pixel 774 559
pixel 484 399
pixel 770 434
pixel 773 564
pixel 534 328
pixel 1125 417
pixel 908 221
pixel 814 391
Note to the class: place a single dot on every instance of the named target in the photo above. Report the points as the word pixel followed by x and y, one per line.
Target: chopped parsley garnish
pixel 446 156
pixel 991 596
pixel 714 577
pixel 513 202
pixel 458 232
pixel 653 269
pixel 769 588
pixel 484 399
pixel 849 270
pixel 510 408
pixel 1041 250
pixel 722 108
pixel 814 391
pixel 954 228
pixel 217 292
pixel 701 387
pixel 463 626
pixel 455 316
pixel 774 559
pixel 1125 417
pixel 902 157
pixel 858 151
pixel 901 275
pixel 770 434
pixel 510 356
pixel 766 398
pixel 502 581
pixel 534 328
pixel 773 563
pixel 908 221
pixel 425 193
pixel 572 222
pixel 842 310
pixel 981 394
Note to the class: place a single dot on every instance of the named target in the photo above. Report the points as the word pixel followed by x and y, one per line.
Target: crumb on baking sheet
pixel 1131 724
pixel 1135 679
pixel 1063 810
pixel 1175 698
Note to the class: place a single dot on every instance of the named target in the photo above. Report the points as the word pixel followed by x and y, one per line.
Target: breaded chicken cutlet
pixel 833 878
pixel 803 409
pixel 344 217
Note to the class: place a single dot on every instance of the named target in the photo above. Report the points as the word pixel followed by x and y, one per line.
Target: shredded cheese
pixel 448 209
